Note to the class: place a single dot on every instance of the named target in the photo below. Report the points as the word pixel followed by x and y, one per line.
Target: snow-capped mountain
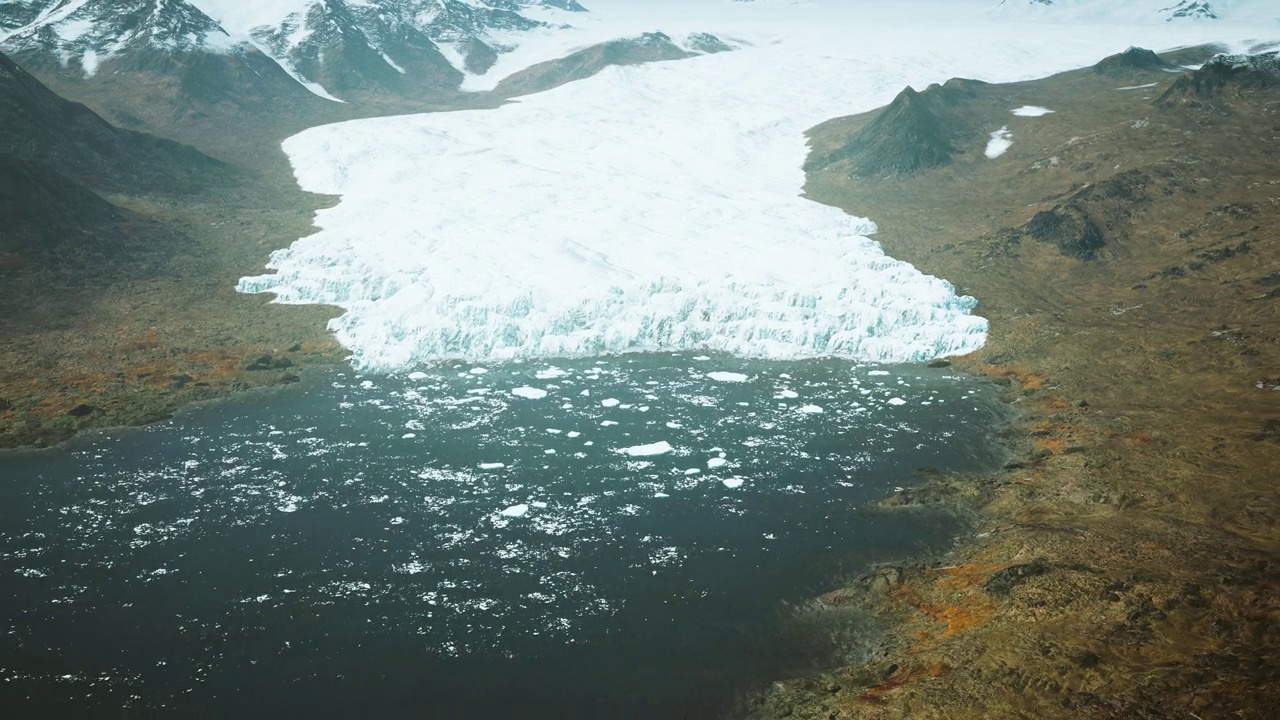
pixel 338 49
pixel 1145 10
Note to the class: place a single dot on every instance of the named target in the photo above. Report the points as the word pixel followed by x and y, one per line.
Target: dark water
pixel 626 545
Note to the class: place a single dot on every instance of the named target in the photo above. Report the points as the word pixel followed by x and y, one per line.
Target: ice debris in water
pixel 529 392
pixel 727 376
pixel 659 448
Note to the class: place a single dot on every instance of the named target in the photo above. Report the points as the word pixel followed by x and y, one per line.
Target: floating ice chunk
pixel 538 504
pixel 787 395
pixel 554 431
pixel 877 372
pixel 714 463
pixel 492 466
pixel 811 410
pixel 515 510
pixel 1000 142
pixel 701 358
pixel 608 423
pixel 732 482
pixel 610 402
pixel 573 434
pixel 661 495
pixel 693 471
pixel 661 447
pixel 418 376
pixel 529 392
pixel 727 376
pixel 897 401
pixel 478 370
pixel 408 436
pixel 1031 111
pixel 550 373
pixel 674 425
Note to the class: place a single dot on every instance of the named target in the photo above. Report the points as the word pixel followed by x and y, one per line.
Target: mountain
pixel 648 47
pixel 72 140
pixel 1147 10
pixel 56 156
pixel 1223 79
pixel 917 131
pixel 339 50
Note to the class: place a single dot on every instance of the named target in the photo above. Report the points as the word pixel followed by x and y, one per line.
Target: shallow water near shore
pixel 618 536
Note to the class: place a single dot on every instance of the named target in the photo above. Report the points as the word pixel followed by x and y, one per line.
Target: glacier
pixel 656 207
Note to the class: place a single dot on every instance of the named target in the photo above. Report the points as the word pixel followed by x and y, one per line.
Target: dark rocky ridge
pixel 1135 59
pixel 649 47
pixel 74 141
pixel 1221 80
pixel 917 131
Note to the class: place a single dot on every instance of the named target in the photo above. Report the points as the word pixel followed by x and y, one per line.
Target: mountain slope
pixel 74 141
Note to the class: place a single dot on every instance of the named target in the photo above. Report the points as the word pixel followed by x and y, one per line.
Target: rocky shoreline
pixel 1123 564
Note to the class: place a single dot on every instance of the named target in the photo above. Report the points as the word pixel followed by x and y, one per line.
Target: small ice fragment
pixel 897 401
pixel 661 495
pixel 692 471
pixel 515 511
pixel 588 443
pixel 788 395
pixel 674 425
pixel 549 451
pixel 478 370
pixel 732 482
pixel 608 423
pixel 811 409
pixel 878 372
pixel 701 358
pixel 610 402
pixel 529 392
pixel 492 466
pixel 538 504
pixel 550 373
pixel 1031 111
pixel 408 436
pixel 662 447
pixel 417 376
pixel 554 431
pixel 572 434
pixel 716 462
pixel 727 376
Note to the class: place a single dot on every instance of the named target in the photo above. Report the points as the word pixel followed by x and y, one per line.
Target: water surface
pixel 610 537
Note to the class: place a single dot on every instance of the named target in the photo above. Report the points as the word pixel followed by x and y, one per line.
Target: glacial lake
pixel 616 537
